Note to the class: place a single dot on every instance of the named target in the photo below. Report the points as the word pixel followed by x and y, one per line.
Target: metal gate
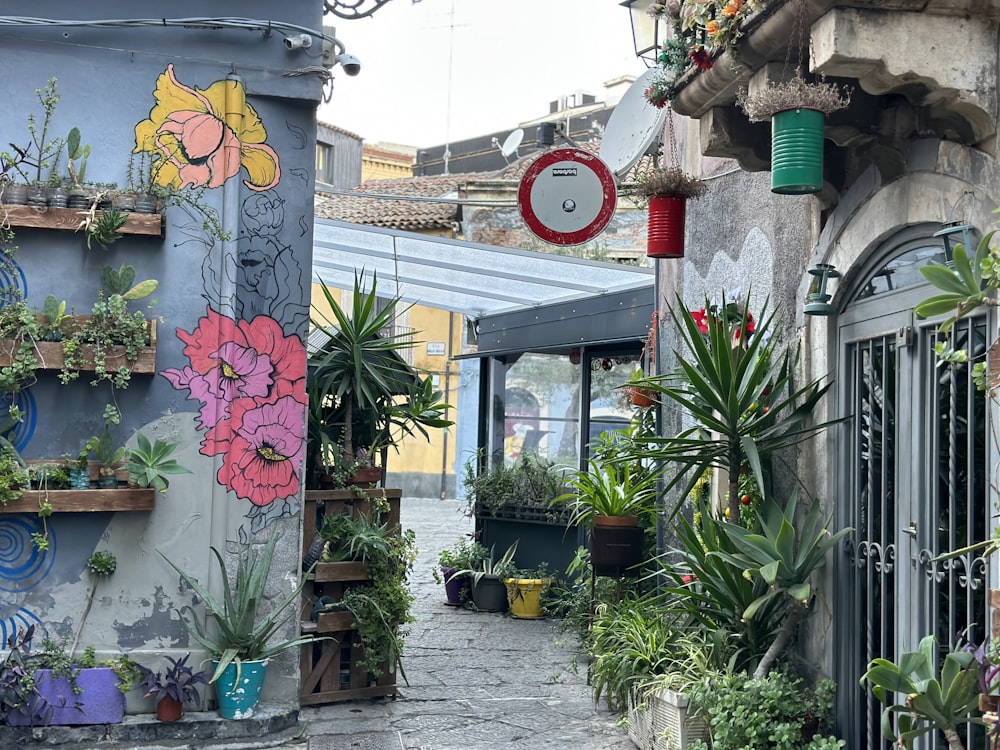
pixel 913 483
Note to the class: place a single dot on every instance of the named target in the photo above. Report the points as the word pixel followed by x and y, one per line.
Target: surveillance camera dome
pixel 350 64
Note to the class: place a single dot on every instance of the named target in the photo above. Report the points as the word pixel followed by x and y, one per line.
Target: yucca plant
pixel 740 390
pixel 235 628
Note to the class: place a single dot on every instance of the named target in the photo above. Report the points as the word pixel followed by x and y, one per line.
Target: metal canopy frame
pixel 464 277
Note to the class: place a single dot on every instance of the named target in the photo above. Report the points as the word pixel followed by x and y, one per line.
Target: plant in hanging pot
pixel 797 109
pixel 236 630
pixel 173 687
pixel 666 190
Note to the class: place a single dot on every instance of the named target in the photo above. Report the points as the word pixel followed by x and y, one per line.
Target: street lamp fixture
pixel 647 34
pixel 952 231
pixel 818 300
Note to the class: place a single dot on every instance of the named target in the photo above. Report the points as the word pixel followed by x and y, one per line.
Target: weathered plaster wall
pixel 243 302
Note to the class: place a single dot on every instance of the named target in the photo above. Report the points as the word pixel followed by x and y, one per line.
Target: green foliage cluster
pixel 776 712
pixel 381 607
pixel 531 481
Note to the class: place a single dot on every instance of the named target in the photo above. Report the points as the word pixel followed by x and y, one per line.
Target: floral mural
pixel 245 368
pixel 201 138
pixel 250 381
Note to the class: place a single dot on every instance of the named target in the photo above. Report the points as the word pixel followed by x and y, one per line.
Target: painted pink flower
pixel 230 360
pixel 266 450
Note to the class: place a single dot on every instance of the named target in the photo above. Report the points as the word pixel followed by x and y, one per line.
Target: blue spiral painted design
pixel 21 434
pixel 19 621
pixel 22 566
pixel 13 283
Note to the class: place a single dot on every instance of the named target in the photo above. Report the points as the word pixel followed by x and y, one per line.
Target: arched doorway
pixel 913 479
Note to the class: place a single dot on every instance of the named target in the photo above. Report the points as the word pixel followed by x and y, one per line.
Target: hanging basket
pixel 665 238
pixel 797 151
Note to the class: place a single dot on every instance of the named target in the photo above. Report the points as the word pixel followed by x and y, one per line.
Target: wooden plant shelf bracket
pixel 68 219
pixel 84 501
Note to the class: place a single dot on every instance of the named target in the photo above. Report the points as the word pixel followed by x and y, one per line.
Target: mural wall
pixel 197 113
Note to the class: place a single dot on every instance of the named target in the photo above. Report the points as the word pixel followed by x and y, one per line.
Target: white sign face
pixel 435 349
pixel 567 197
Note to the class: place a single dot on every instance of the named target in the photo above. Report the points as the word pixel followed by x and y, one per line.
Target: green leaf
pixel 947 279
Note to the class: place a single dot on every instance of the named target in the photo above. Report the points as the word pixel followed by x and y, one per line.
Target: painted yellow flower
pixel 201 138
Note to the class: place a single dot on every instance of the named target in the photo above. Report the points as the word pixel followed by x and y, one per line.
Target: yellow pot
pixel 523 596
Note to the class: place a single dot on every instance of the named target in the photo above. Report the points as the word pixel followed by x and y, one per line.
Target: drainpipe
pixel 235 106
pixel 447 400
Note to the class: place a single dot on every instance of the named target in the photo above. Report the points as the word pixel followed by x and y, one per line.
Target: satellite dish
pixel 511 142
pixel 632 128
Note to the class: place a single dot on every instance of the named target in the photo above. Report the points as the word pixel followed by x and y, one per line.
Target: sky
pixel 439 71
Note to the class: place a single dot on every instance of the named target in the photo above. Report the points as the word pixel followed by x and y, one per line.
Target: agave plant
pixel 931 702
pixel 236 629
pixel 785 558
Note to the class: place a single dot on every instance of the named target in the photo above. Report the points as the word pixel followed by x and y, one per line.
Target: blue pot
pixel 238 700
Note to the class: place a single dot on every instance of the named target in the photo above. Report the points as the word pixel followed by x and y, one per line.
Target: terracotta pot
pixel 641 398
pixel 665 234
pixel 616 521
pixel 616 550
pixel 169 709
pixel 367 476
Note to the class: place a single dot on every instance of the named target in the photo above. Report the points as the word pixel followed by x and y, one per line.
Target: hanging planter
pixel 667 190
pixel 797 110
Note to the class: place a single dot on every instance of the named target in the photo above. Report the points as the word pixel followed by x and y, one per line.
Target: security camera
pixel 298 41
pixel 350 64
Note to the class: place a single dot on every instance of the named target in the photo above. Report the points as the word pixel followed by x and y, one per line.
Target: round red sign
pixel 567 196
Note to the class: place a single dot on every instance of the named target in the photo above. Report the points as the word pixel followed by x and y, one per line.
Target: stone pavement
pixel 477 680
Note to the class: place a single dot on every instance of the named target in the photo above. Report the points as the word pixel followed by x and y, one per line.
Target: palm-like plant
pixel 741 392
pixel 362 396
pixel 235 629
pixel 785 558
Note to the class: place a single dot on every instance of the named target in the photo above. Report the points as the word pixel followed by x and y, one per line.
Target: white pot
pixel 663 723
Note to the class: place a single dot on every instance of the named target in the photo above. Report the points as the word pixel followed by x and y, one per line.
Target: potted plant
pixel 149 464
pixel 173 687
pixel 363 397
pixel 797 110
pixel 666 191
pixel 610 498
pixel 489 593
pixel 465 554
pixel 74 691
pixel 525 589
pixel 236 630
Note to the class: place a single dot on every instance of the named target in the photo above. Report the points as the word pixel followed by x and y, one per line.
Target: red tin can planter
pixel 665 238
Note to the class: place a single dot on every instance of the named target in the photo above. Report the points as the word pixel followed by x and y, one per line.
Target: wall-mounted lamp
pixel 818 301
pixel 645 31
pixel 953 231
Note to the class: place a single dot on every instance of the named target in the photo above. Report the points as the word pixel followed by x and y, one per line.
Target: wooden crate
pixel 329 668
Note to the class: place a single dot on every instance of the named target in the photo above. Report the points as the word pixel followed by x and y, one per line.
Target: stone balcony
pixel 917 68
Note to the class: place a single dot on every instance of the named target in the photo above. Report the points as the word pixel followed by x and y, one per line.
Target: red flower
pixel 701 58
pixel 689 578
pixel 700 318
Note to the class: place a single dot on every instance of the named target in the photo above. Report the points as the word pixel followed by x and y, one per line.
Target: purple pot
pixel 455 587
pixel 98 702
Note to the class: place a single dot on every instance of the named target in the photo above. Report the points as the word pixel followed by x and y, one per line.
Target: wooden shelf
pixel 68 219
pixel 328 572
pixel 85 501
pixel 49 354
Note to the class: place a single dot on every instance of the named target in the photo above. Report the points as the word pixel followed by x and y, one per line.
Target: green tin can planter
pixel 797 151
